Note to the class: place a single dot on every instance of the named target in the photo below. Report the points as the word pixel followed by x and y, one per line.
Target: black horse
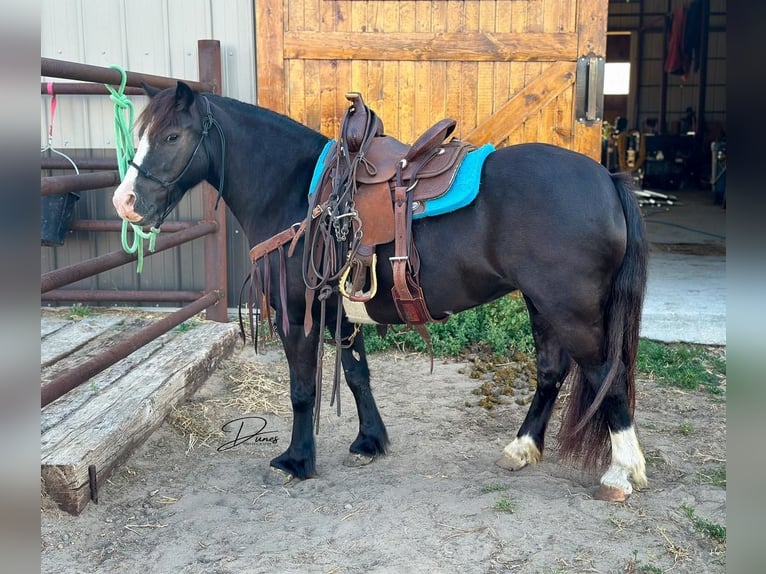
pixel 549 222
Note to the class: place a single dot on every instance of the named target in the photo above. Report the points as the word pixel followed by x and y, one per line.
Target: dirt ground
pixel 436 503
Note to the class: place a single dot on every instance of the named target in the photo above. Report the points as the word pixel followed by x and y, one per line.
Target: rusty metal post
pixel 94 163
pixel 79 88
pixel 115 225
pixel 89 73
pixel 209 53
pixel 61 184
pixel 113 295
pixel 108 357
pixel 72 273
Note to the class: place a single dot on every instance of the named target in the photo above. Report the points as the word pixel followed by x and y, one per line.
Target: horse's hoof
pixel 355 460
pixel 277 477
pixel 611 494
pixel 519 453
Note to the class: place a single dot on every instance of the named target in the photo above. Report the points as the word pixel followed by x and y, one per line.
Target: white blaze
pixel 124 197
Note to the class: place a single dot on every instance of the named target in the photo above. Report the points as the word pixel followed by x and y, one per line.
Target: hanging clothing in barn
pixel 684 41
pixel 693 35
pixel 674 62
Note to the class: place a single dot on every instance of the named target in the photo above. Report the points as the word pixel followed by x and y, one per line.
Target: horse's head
pixel 169 159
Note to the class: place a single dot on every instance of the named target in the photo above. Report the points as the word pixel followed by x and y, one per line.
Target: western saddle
pixel 371 184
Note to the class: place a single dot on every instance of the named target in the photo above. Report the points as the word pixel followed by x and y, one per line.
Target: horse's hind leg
pixel 372 439
pixel 552 366
pixel 627 466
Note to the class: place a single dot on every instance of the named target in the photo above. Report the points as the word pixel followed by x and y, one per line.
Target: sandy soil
pixel 437 503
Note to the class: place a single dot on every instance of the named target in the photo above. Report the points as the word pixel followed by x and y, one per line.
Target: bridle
pixel 208 121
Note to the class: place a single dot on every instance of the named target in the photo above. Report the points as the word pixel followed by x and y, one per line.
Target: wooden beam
pixel 553 81
pixel 270 60
pixel 427 46
pixel 100 424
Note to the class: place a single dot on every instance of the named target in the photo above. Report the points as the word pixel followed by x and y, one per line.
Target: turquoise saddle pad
pixel 462 192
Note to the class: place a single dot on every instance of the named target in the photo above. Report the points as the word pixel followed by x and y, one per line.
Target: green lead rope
pixel 123 140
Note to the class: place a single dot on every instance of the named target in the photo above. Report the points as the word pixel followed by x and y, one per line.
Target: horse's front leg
pixel 372 439
pixel 299 460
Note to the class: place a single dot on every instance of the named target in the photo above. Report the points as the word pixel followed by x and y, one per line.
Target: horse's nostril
pixel 130 200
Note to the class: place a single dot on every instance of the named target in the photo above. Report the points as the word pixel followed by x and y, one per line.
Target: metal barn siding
pixel 155 37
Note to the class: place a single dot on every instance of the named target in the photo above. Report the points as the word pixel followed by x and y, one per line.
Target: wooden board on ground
pixel 103 420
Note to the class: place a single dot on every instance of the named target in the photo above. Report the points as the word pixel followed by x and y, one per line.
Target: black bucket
pixel 55 216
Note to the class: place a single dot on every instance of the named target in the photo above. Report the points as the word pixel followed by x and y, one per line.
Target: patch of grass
pixel 715 531
pixel 502 325
pixel 504 504
pixel 80 311
pixel 185 326
pixel 486 489
pixel 686 429
pixel 502 328
pixel 715 476
pixel 648 569
pixel 681 365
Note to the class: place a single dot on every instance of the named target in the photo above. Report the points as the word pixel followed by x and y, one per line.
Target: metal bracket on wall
pixel 589 89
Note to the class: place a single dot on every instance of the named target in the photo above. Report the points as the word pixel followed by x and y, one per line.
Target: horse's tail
pixel 584 432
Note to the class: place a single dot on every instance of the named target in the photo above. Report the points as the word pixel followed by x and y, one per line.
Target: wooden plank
pixel 57 411
pixel 106 429
pixel 562 128
pixel 53 324
pixel 329 111
pixel 502 15
pixel 438 69
pixel 296 94
pixel 423 115
pixel 528 102
pixel 430 46
pixel 73 336
pixel 519 17
pixel 534 17
pixel 407 81
pixel 269 48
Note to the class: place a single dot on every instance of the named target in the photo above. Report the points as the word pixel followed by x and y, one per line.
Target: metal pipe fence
pixel 212 227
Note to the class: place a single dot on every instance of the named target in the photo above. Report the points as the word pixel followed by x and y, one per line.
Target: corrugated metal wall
pixel 155 37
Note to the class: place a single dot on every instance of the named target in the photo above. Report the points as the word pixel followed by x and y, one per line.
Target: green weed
pixel 185 326
pixel 504 504
pixel 494 488
pixel 681 365
pixel 715 531
pixel 80 311
pixel 502 325
pixel 715 476
pixel 686 429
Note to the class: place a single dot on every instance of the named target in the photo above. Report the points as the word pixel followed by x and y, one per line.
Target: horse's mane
pixel 160 112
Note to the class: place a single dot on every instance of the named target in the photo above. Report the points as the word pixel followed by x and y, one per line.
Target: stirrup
pixel 358 295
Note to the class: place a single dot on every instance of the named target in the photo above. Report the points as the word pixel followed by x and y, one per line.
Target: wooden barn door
pixel 504 69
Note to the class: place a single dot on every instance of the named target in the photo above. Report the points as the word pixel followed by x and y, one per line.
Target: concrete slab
pixel 686 292
pixel 685 299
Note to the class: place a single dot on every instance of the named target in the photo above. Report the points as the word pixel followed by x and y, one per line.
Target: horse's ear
pixel 151 91
pixel 184 96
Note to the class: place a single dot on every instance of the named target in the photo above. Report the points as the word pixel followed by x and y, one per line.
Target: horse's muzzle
pixel 124 201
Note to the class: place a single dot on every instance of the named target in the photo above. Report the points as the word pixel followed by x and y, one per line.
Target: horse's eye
pixel 171 138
